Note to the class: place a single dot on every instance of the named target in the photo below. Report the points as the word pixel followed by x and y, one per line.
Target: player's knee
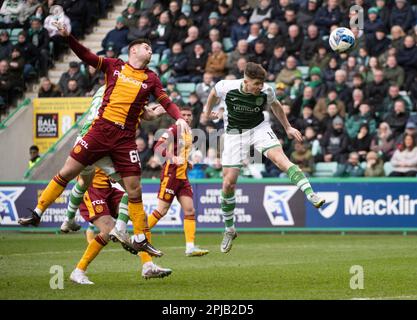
pixel 134 191
pixel 189 212
pixel 105 235
pixel 229 185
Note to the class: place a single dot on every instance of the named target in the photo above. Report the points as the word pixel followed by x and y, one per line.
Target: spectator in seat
pixel 273 38
pixel 116 37
pixel 364 116
pixel 410 128
pixel 351 68
pixel 377 89
pixel 16 65
pixel 9 13
pixel 374 165
pixel 131 15
pixel 404 160
pixel 402 15
pixel 327 122
pixel 407 58
pixel 203 89
pixel 255 32
pixel 397 37
pixel 362 142
pixel 320 108
pixel 241 51
pixel 277 62
pixel 174 11
pixel 377 43
pixel 289 73
pixel 144 152
pixel 30 53
pixel 307 120
pixel 240 30
pixel 259 54
pixel 216 61
pixel 307 98
pixel 352 168
pixel 5 82
pixel 327 16
pixel 329 73
pixel 389 101
pixel 393 73
pixel 335 143
pixel 358 98
pixel 397 118
pixel 179 32
pixel 198 15
pixel 306 14
pixel 213 23
pixel 174 65
pixel 73 90
pixel 6 45
pixel 73 73
pixel 59 43
pixel 344 92
pixel 161 35
pixel 39 37
pixel 196 106
pixel 152 169
pixel 310 44
pixel 77 11
pixel 373 22
pixel 383 142
pixel 48 89
pixel 320 58
pixel 294 41
pixel 191 40
pixel 141 29
pixel 302 157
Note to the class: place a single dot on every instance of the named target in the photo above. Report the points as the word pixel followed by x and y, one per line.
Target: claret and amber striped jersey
pixel 179 145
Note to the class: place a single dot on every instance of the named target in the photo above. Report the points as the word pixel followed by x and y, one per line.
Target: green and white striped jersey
pixel 243 111
pixel 93 110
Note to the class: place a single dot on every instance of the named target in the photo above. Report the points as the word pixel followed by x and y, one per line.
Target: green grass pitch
pixel 260 266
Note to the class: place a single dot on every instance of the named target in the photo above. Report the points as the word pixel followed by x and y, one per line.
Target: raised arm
pixel 153 113
pixel 212 100
pixel 292 133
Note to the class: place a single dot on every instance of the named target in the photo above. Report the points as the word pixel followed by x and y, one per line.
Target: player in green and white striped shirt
pixel 245 100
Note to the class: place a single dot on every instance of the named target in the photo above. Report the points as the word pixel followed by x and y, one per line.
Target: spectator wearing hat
pixel 277 62
pixel 31 55
pixel 410 128
pixel 334 143
pixel 352 168
pixel 39 37
pixel 262 11
pixel 117 37
pixel 179 32
pixel 9 13
pixel 6 45
pixel 142 28
pixel 131 15
pixel 289 73
pixel 402 15
pixel 216 61
pixel 316 82
pixel 306 14
pixel 327 16
pixel 282 94
pixel 404 159
pixel 397 118
pixel 373 22
pixel 407 58
pixel 73 73
pixel 374 165
pixel 377 42
pixel 354 122
pixel 198 15
pixel 320 109
pixel 239 30
pixel 48 89
pixel 213 23
pixel 320 58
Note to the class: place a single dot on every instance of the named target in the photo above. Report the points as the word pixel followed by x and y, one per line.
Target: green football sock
pixel 228 204
pixel 123 217
pixel 77 194
pixel 298 178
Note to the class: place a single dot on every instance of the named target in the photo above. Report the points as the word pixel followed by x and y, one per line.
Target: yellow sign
pixel 53 117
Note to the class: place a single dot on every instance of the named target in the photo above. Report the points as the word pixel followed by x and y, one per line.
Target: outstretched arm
pixel 211 101
pixel 152 113
pixel 292 133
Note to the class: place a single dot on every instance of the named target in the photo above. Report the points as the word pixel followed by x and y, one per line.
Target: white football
pixel 341 39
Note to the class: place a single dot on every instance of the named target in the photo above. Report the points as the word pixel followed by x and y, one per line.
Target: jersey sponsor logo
pixel 259 101
pixel 242 108
pixel 82 143
pixel 170 191
pixel 125 78
pixel 97 202
pixel 276 205
pixel 332 203
pixel 8 211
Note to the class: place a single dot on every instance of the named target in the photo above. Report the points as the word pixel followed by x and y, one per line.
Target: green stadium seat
pixel 304 71
pixel 227 44
pixel 14 34
pixel 185 88
pixel 325 169
pixel 388 168
pixel 123 57
pixel 154 60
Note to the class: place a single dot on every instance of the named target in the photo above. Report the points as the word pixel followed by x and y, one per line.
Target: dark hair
pixel 186 108
pixel 34 148
pixel 403 147
pixel 138 41
pixel 255 71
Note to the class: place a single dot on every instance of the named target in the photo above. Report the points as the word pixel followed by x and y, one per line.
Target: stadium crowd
pixel 356 109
